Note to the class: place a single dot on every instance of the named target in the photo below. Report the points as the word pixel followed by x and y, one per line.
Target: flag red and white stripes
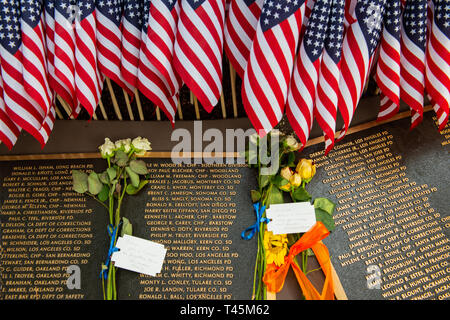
pixel 437 63
pixel 151 81
pixel 240 28
pixel 64 52
pixel 9 132
pixel 132 22
pixel 162 30
pixel 412 61
pixel 302 92
pixel 109 41
pixel 269 68
pixel 325 110
pixel 34 58
pixel 88 80
pixel 388 67
pixel 199 48
pixel 360 42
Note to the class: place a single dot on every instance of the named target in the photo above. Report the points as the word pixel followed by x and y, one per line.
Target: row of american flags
pixel 309 59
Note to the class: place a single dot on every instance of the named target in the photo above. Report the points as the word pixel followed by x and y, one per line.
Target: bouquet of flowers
pixel 287 176
pixel 125 174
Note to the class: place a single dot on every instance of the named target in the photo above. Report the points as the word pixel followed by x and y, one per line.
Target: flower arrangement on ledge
pixel 277 253
pixel 125 175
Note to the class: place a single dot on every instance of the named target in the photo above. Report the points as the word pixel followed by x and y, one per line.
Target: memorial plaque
pixel 197 211
pixel 392 220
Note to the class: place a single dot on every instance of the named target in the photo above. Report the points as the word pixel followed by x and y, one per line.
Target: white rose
pixel 292 143
pixel 254 138
pixel 125 143
pixel 107 149
pixel 141 145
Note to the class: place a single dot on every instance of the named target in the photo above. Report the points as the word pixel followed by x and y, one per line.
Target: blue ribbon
pixel 112 233
pixel 259 219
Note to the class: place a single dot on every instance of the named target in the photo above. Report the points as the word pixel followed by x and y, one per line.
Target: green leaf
pixel 325 218
pixel 138 166
pixel 94 184
pixel 300 194
pixel 256 196
pixel 134 177
pixel 103 195
pixel 264 180
pixel 279 181
pixel 291 159
pixel 132 190
pixel 121 158
pixel 127 227
pixel 80 181
pixel 324 204
pixel 104 178
pixel 275 196
pixel 111 173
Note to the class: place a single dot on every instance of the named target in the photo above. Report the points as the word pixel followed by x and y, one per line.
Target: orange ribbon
pixel 274 277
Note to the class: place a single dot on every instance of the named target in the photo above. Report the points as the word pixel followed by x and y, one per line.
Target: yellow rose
pixel 286 187
pixel 306 169
pixel 295 180
pixel 286 173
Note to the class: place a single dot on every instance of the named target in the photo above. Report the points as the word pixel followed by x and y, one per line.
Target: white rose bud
pixel 107 149
pixel 141 145
pixel 125 144
pixel 292 143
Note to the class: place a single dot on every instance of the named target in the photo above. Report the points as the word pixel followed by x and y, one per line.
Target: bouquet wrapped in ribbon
pixel 125 174
pixel 280 174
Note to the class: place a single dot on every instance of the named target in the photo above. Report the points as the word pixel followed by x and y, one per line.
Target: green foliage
pixel 121 158
pixel 131 190
pixel 256 196
pixel 300 194
pixel 138 166
pixel 127 227
pixel 279 181
pixel 80 181
pixel 94 184
pixel 134 177
pixel 275 196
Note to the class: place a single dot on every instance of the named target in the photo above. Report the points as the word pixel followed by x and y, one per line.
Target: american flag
pixel 360 41
pixel 109 40
pixel 64 48
pixel 199 48
pixel 267 77
pixel 437 64
pixel 55 84
pixel 240 28
pixel 132 22
pixel 412 61
pixel 162 30
pixel 20 107
pixel 302 92
pixel 88 80
pixel 328 84
pixel 349 16
pixel 388 67
pixel 9 132
pixel 150 81
pixel 34 58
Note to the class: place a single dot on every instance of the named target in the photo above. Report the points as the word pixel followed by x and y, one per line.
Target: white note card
pixel 296 217
pixel 139 255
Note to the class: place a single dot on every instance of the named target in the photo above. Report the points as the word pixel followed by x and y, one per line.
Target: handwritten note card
pixel 297 217
pixel 139 255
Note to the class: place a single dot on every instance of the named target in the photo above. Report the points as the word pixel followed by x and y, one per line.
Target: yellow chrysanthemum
pixel 276 248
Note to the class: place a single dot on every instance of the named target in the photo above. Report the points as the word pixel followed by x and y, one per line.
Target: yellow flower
pixel 286 187
pixel 306 169
pixel 276 247
pixel 296 180
pixel 286 173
